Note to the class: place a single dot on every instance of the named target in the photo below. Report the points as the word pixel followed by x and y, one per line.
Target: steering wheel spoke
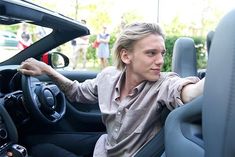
pixel 55 115
pixel 46 103
pixel 55 90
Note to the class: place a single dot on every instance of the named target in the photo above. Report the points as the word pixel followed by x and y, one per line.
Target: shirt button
pixel 119 113
pixel 116 130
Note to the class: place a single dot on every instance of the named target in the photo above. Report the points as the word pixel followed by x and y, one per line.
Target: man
pixel 135 90
pixel 80 46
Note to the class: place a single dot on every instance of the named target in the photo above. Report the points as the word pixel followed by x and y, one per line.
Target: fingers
pixel 32 67
pixel 26 67
pixel 26 72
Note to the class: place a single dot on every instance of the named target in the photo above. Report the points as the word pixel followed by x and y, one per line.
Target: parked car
pixel 8 39
pixel 8 44
pixel 24 121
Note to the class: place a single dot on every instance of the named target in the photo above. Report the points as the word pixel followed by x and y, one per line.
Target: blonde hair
pixel 130 35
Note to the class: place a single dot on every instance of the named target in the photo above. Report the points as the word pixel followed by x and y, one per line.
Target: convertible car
pixel 34 112
pixel 27 120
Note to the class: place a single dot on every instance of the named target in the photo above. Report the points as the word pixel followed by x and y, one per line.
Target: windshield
pixel 17 37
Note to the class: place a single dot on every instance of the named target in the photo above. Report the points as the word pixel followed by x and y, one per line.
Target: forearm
pixel 33 67
pixel 62 82
pixel 191 91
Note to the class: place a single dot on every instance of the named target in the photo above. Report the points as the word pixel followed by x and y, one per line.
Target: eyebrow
pixel 156 50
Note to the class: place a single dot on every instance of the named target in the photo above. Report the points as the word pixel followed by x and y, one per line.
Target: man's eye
pixel 151 53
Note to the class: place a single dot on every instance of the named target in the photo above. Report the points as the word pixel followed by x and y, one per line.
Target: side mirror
pixel 55 59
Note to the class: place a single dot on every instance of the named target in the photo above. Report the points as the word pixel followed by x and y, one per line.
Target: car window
pixel 17 37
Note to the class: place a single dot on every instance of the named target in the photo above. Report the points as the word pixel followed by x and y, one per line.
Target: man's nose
pixel 159 59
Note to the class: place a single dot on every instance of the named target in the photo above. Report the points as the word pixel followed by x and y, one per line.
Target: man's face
pixel 146 59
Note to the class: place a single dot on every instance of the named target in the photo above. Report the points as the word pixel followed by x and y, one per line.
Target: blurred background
pixel 191 18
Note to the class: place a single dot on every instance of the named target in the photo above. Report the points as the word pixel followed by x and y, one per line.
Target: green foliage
pixel 131 16
pixel 100 19
pixel 12 28
pixel 111 43
pixel 91 52
pixel 169 43
pixel 199 44
pixel 201 52
pixel 175 28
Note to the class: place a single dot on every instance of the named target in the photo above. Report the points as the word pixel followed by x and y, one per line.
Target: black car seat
pixel 205 127
pixel 209 38
pixel 184 60
pixel 218 112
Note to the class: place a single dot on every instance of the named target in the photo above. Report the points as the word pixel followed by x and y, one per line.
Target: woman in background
pixel 103 48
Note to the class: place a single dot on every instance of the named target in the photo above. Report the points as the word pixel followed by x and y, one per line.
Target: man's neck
pixel 128 84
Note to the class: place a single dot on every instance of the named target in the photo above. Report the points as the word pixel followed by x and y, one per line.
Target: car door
pixel 82 117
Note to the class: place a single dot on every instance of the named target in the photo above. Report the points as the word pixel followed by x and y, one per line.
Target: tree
pixel 175 28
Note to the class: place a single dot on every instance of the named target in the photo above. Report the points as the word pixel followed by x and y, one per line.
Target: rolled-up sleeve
pixel 89 90
pixel 85 92
pixel 171 88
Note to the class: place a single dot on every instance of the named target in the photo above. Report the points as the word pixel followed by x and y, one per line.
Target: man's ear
pixel 125 56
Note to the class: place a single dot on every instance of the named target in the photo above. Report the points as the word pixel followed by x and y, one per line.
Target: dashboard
pixel 12 95
pixel 13 111
pixel 10 81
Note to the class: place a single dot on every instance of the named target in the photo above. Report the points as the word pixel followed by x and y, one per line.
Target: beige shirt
pixel 135 120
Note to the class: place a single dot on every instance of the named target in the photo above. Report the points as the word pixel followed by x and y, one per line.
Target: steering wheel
pixel 45 102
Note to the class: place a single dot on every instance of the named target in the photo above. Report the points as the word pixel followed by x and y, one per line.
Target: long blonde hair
pixel 130 35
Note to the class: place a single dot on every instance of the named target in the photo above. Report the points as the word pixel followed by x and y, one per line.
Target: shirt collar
pixel 135 90
pixel 121 78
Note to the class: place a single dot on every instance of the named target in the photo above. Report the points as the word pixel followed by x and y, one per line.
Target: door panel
pixel 80 117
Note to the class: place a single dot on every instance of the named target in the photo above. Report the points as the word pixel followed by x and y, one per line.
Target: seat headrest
pixel 184 60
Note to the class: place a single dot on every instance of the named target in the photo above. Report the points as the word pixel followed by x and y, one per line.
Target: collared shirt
pixel 135 120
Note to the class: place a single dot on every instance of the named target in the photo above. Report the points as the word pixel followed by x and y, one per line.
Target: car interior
pixel 204 126
pixel 30 119
pixel 46 121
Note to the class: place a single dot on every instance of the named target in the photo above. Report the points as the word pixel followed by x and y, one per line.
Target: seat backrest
pixel 183 132
pixel 215 135
pixel 202 72
pixel 209 38
pixel 184 60
pixel 218 112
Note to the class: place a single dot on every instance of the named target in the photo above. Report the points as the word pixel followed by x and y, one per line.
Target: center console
pixel 4 139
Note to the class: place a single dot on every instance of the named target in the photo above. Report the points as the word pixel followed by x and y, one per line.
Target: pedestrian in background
pixel 103 51
pixel 24 37
pixel 80 46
